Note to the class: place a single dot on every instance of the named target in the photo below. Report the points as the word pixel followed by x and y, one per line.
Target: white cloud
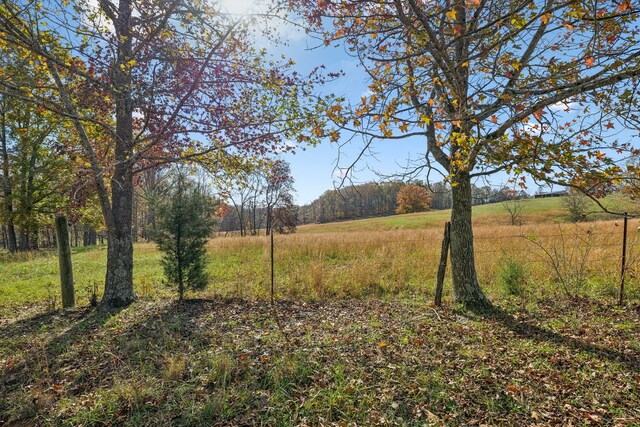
pixel 341 173
pixel 567 107
pixel 530 128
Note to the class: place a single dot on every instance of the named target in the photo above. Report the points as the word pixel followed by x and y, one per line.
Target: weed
pixel 568 255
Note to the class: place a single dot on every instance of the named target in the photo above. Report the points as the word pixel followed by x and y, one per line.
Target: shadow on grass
pixel 144 348
pixel 75 348
pixel 536 333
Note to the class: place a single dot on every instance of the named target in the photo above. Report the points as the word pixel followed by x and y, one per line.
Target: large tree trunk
pixel 118 288
pixel 465 281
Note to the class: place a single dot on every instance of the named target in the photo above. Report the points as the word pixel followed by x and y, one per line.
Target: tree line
pixel 380 199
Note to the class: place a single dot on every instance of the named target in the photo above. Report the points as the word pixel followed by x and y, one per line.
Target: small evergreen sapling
pixel 184 223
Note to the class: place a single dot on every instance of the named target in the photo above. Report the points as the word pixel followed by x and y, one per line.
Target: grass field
pixel 358 342
pixel 375 257
pixel 545 210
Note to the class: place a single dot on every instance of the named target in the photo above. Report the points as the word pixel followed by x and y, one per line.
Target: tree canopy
pixel 145 83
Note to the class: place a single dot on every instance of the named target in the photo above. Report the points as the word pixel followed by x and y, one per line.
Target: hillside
pixel 547 210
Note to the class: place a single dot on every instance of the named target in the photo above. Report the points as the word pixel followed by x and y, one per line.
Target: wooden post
pixel 64 259
pixel 624 259
pixel 443 263
pixel 272 274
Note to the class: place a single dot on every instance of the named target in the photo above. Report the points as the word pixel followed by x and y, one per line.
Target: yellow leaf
pixel 452 14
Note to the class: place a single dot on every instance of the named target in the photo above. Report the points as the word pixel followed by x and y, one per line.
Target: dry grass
pixel 390 262
pixel 368 258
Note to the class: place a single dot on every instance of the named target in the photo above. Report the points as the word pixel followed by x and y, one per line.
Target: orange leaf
pixel 590 61
pixel 494 119
pixel 624 6
pixel 538 114
pixel 512 389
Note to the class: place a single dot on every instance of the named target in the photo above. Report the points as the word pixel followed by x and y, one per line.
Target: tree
pixel 36 171
pixel 183 211
pixel 441 195
pixel 355 201
pixel 278 197
pixel 146 83
pixel 491 86
pixel 285 217
pixel 576 204
pixel 514 208
pixel 631 183
pixel 413 198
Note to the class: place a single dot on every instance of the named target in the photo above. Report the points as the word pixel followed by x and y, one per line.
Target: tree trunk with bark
pixel 118 289
pixel 12 245
pixel 466 289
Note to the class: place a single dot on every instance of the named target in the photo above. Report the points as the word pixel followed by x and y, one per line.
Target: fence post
pixel 442 268
pixel 64 260
pixel 624 259
pixel 272 273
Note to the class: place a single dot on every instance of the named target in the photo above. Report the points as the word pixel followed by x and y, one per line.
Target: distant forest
pixel 379 199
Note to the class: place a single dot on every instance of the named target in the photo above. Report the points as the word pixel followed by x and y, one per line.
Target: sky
pixel 321 168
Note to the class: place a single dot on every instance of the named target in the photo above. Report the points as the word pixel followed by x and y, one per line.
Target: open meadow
pixel 386 256
pixel 358 341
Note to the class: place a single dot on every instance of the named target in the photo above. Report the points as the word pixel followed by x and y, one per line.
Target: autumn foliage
pixel 413 198
pixel 537 90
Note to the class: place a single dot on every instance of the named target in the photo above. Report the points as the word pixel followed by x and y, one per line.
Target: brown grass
pixel 364 263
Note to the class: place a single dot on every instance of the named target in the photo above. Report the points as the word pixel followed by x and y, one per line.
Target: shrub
pixel 183 211
pixel 512 277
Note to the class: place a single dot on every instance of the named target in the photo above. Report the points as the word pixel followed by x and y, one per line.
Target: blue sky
pixel 320 168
